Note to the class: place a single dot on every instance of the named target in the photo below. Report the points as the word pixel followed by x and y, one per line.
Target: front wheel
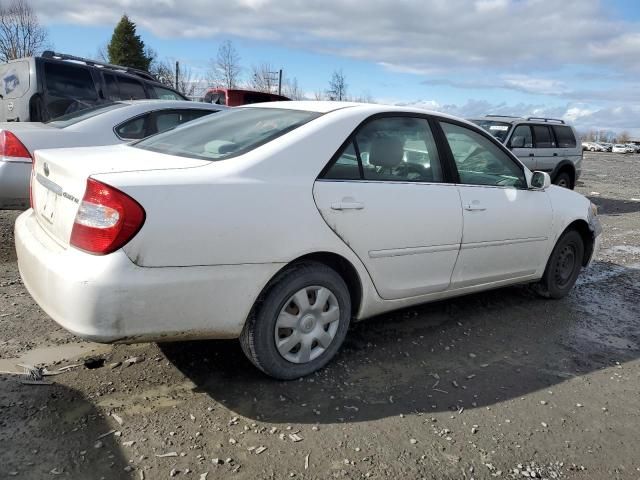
pixel 300 322
pixel 563 180
pixel 563 267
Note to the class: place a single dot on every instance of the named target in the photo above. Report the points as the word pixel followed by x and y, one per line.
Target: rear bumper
pixel 110 299
pixel 14 185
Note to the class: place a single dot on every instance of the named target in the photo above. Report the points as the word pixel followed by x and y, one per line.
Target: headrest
pixel 386 152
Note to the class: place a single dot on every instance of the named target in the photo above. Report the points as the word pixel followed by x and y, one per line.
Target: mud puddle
pixel 53 354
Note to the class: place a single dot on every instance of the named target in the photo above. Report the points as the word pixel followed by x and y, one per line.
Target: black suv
pixel 37 89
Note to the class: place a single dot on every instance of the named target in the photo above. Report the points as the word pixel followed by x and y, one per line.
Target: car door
pixel 385 195
pixel 521 144
pixel 506 225
pixel 546 150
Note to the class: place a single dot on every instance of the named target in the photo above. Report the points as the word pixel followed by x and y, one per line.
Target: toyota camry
pixel 280 223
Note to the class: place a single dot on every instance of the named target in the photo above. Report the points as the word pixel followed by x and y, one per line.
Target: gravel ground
pixel 495 385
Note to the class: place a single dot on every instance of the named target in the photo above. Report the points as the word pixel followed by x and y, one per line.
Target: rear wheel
pixel 563 267
pixel 563 180
pixel 300 323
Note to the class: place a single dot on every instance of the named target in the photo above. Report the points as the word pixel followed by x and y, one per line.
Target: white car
pixel 280 222
pixel 105 124
pixel 619 148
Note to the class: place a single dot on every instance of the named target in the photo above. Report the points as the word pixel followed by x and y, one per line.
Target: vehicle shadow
pixel 614 206
pixel 51 430
pixel 469 352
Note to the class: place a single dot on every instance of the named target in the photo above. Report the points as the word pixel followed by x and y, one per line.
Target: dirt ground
pixel 495 385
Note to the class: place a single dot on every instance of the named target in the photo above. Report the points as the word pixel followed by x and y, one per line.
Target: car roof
pixel 323 106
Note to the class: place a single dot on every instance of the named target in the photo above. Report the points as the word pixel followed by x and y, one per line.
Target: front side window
pixel 73 81
pixel 522 137
pixel 544 138
pixel 565 136
pixel 227 134
pixel 479 161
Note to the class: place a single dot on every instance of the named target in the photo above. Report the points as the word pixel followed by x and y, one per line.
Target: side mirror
pixel 540 180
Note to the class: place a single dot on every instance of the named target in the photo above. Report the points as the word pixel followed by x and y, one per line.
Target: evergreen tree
pixel 126 48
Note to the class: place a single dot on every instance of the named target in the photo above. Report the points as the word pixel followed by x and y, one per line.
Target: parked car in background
pixel 633 148
pixel 607 146
pixel 105 124
pixel 544 144
pixel 280 222
pixel 37 89
pixel 236 97
pixel 619 148
pixel 593 147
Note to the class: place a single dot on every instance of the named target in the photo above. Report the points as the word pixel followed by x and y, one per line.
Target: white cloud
pixel 412 34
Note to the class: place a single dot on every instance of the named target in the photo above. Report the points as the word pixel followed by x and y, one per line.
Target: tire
pixel 593 149
pixel 563 266
pixel 281 315
pixel 563 180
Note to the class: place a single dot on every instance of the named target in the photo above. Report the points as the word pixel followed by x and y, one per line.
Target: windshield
pixel 227 134
pixel 80 115
pixel 497 129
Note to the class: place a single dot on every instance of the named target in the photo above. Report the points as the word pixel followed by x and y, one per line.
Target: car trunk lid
pixel 60 178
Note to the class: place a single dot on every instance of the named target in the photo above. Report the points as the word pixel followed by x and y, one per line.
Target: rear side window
pixel 544 138
pixel 134 129
pixel 565 136
pixel 172 118
pixel 65 80
pixel 227 134
pixel 131 89
pixel 346 166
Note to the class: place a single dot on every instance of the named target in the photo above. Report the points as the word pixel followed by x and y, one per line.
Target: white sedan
pixel 105 124
pixel 279 223
pixel 619 148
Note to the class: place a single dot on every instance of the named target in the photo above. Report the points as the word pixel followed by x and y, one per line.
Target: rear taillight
pixel 12 149
pixel 106 220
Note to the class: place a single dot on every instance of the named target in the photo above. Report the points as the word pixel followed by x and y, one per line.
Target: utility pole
pixel 280 82
pixel 177 73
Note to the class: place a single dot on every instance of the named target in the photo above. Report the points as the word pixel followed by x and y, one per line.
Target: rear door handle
pixel 532 154
pixel 347 205
pixel 474 208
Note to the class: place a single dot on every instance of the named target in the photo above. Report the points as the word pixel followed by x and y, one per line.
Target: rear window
pixel 565 136
pixel 73 81
pixel 543 136
pixel 165 93
pixel 227 134
pixel 75 117
pixel 131 89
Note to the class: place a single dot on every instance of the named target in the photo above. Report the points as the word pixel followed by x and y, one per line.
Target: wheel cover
pixel 307 324
pixel 565 265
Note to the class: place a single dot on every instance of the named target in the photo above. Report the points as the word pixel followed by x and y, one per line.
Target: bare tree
pixel 319 95
pixel 291 89
pixel 21 34
pixel 337 86
pixel 623 137
pixel 225 69
pixel 165 72
pixel 263 78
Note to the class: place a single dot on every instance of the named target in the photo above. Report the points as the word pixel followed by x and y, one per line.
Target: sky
pixel 573 59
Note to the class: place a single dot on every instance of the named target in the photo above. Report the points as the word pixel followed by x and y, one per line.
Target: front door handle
pixel 347 205
pixel 474 208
